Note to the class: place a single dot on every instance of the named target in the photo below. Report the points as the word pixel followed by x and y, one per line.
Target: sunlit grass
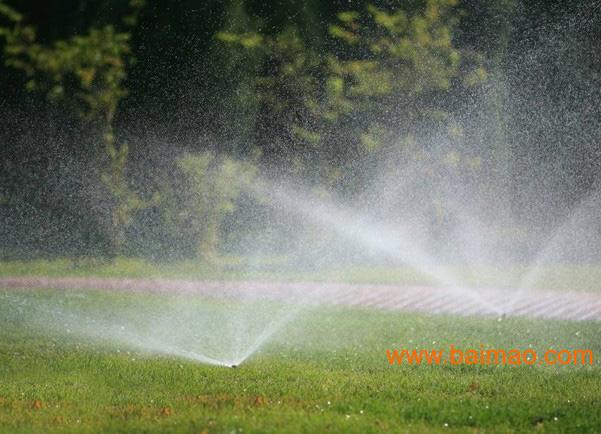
pixel 327 371
pixel 560 277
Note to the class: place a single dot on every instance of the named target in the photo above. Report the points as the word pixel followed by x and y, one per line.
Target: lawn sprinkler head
pixel 233 366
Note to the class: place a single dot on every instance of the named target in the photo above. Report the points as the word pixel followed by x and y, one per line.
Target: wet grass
pixel 326 372
pixel 558 277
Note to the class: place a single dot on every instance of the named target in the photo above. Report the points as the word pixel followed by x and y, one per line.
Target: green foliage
pixel 331 109
pixel 10 14
pixel 135 7
pixel 203 191
pixel 84 73
pixel 237 67
pixel 392 56
pixel 323 92
pixel 126 201
pixel 288 92
pixel 400 53
pixel 247 40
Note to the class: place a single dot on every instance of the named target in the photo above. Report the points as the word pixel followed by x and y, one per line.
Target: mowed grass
pixel 327 371
pixel 584 277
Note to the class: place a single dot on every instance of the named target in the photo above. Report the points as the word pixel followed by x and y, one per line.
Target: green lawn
pixel 327 371
pixel 561 277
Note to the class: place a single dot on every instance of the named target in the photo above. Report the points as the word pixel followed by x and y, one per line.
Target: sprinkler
pixel 233 366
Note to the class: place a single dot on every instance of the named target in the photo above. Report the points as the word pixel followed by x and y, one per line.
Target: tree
pixel 201 192
pixel 84 73
pixel 378 87
pixel 286 86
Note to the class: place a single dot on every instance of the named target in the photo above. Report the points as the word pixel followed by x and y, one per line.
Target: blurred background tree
pixel 85 75
pixel 102 100
pixel 201 192
pixel 376 88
